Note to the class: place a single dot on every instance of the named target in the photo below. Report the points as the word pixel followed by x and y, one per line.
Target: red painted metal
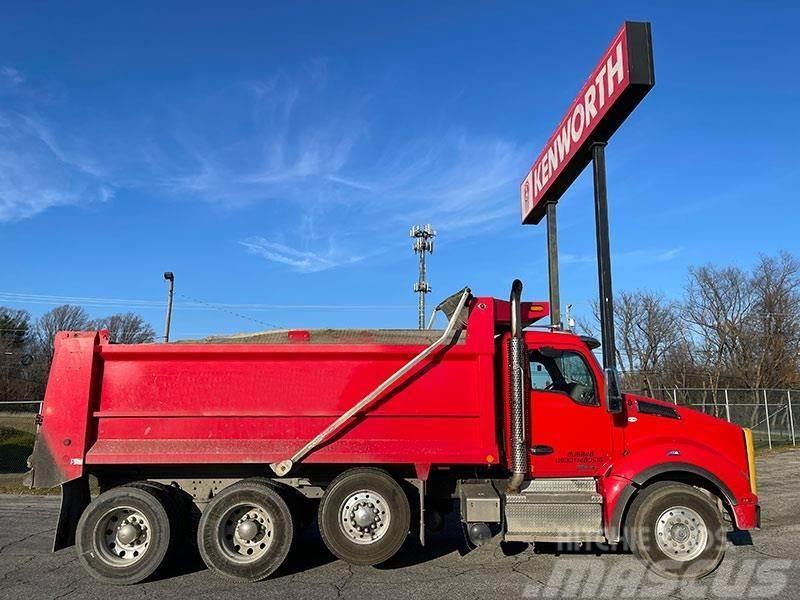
pixel 258 403
pixel 61 445
pixel 121 405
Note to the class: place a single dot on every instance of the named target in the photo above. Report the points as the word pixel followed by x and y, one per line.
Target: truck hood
pixel 653 422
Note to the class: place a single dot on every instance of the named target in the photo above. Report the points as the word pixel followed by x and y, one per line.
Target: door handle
pixel 541 450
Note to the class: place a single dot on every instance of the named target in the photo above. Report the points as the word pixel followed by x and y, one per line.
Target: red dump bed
pixel 260 402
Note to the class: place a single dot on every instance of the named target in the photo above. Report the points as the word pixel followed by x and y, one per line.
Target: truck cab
pixel 666 480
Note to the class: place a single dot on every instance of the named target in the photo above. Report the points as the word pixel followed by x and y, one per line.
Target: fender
pixel 637 469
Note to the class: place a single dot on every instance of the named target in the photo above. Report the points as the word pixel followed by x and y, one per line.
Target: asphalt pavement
pixel 763 565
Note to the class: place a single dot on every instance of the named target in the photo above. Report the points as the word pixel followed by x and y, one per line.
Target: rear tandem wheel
pixel 246 531
pixel 124 534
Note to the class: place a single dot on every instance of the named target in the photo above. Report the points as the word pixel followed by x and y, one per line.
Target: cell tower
pixel 423 243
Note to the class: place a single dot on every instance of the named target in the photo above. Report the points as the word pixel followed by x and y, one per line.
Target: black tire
pixel 377 491
pixel 669 511
pixel 182 538
pixel 100 549
pixel 298 504
pixel 221 535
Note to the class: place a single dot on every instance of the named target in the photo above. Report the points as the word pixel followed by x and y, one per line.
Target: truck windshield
pixel 567 374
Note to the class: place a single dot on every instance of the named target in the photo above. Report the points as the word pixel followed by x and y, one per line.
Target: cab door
pixel 570 429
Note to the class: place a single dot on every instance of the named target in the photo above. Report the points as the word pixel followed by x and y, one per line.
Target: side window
pixel 563 372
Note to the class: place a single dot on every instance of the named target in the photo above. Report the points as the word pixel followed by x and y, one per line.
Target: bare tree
pixel 734 328
pixel 747 324
pixel 126 328
pixel 67 317
pixel 648 328
pixel 718 311
pixel 774 328
pixel 16 381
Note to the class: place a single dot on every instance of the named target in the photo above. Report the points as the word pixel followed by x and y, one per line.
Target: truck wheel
pixel 676 530
pixel 123 535
pixel 246 531
pixel 182 540
pixel 364 516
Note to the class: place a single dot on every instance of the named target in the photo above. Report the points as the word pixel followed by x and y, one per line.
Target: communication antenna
pixel 570 320
pixel 423 244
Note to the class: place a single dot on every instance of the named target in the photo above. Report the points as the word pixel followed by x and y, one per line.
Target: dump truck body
pixel 256 403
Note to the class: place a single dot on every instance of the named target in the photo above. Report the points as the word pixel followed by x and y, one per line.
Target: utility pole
pixel 170 277
pixel 423 243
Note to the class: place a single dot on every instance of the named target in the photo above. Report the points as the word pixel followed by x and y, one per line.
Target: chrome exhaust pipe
pixel 516 356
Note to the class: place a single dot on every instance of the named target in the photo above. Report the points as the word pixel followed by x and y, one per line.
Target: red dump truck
pixel 377 432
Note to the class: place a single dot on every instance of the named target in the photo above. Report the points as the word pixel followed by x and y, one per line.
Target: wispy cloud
pixel 569 258
pixel 640 257
pixel 295 142
pixel 303 261
pixel 12 75
pixel 330 170
pixel 668 255
pixel 34 177
pixel 38 168
pixel 462 182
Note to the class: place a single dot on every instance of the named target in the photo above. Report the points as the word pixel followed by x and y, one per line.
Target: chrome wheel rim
pixel 364 517
pixel 123 536
pixel 681 533
pixel 245 532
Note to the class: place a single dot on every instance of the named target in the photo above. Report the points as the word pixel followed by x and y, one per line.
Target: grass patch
pixel 19 421
pixel 15 448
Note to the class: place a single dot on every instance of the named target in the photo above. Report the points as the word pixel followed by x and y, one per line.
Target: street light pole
pixel 170 277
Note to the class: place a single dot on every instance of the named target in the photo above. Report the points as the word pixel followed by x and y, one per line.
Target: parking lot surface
pixel 765 565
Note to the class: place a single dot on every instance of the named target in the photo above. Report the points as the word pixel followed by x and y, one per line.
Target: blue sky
pixel 274 155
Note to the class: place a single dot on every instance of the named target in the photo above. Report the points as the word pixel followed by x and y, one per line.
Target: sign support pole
pixel 552 266
pixel 603 256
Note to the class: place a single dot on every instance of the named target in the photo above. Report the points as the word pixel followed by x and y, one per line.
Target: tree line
pixel 732 328
pixel 27 344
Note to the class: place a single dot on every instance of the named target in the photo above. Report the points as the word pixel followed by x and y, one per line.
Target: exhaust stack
pixel 516 356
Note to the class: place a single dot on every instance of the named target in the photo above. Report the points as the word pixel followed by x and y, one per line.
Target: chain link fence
pixel 17 431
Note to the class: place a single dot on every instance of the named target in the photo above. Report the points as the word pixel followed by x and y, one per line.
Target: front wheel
pixel 676 530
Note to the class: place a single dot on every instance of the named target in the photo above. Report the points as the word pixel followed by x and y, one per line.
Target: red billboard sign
pixel 618 83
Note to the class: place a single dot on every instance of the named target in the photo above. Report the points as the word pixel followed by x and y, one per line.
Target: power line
pixel 33 298
pixel 230 312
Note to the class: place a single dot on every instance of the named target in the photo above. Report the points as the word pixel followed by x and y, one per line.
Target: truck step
pixel 541 514
pixel 558 485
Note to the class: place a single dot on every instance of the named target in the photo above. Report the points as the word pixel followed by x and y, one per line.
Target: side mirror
pixel 613 395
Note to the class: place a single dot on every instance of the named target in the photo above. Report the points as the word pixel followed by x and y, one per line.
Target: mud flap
pixel 74 500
